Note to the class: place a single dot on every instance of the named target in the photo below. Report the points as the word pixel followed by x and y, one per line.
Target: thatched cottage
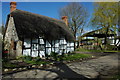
pixel 36 35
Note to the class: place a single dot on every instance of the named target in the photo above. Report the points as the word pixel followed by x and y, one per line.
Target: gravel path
pixel 101 67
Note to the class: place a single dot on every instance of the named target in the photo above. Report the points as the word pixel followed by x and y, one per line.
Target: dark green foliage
pixel 37 59
pixel 117 77
pixel 63 52
pixel 54 55
pixel 37 62
pixel 60 58
pixel 8 65
pixel 27 58
pixel 111 47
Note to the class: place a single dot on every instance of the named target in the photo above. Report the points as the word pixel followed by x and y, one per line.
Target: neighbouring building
pixel 32 34
pixel 97 37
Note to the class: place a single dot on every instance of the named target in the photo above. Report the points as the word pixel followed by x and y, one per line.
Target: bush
pixel 27 58
pixel 37 59
pixel 111 47
pixel 8 65
pixel 60 58
pixel 19 57
pixel 54 55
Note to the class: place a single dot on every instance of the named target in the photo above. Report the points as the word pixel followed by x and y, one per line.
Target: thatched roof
pixel 30 25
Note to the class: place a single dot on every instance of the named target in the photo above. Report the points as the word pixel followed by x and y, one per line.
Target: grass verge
pixel 76 56
pixel 86 50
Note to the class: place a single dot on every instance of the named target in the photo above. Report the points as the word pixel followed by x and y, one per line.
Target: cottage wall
pixel 19 48
pixel 27 45
pixel 11 41
pixel 33 47
pixel 40 47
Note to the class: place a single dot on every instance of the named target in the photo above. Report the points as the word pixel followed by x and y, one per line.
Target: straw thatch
pixel 30 25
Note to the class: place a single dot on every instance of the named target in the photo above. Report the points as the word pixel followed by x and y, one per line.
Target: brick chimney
pixel 65 19
pixel 12 6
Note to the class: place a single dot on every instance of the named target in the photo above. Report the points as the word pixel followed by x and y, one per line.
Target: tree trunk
pixel 75 42
pixel 106 38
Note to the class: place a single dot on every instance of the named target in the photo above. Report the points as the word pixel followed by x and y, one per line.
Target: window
pixel 41 47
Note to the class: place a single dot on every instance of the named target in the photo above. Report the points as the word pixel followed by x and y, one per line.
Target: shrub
pixel 27 58
pixel 60 58
pixel 77 49
pixel 54 55
pixel 37 59
pixel 111 47
pixel 19 57
pixel 8 65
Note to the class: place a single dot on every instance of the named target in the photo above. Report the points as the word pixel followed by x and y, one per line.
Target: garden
pixel 28 62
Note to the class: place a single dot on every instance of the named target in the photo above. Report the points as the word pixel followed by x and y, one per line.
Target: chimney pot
pixel 65 19
pixel 12 6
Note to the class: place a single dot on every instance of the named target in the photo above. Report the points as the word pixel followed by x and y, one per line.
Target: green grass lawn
pixel 66 57
pixel 38 60
pixel 37 63
pixel 75 56
pixel 86 50
pixel 8 65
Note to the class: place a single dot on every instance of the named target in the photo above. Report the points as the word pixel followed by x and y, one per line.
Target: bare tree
pixel 77 17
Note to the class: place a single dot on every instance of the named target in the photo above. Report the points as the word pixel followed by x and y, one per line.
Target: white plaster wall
pixel 42 41
pixel 112 42
pixel 117 42
pixel 27 42
pixel 68 50
pixel 48 50
pixel 34 50
pixel 19 48
pixel 63 41
pixel 57 43
pixel 60 45
pixel 26 52
pixel 70 47
pixel 57 50
pixel 48 44
pixel 71 44
pixel 52 49
pixel 34 53
pixel 42 54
